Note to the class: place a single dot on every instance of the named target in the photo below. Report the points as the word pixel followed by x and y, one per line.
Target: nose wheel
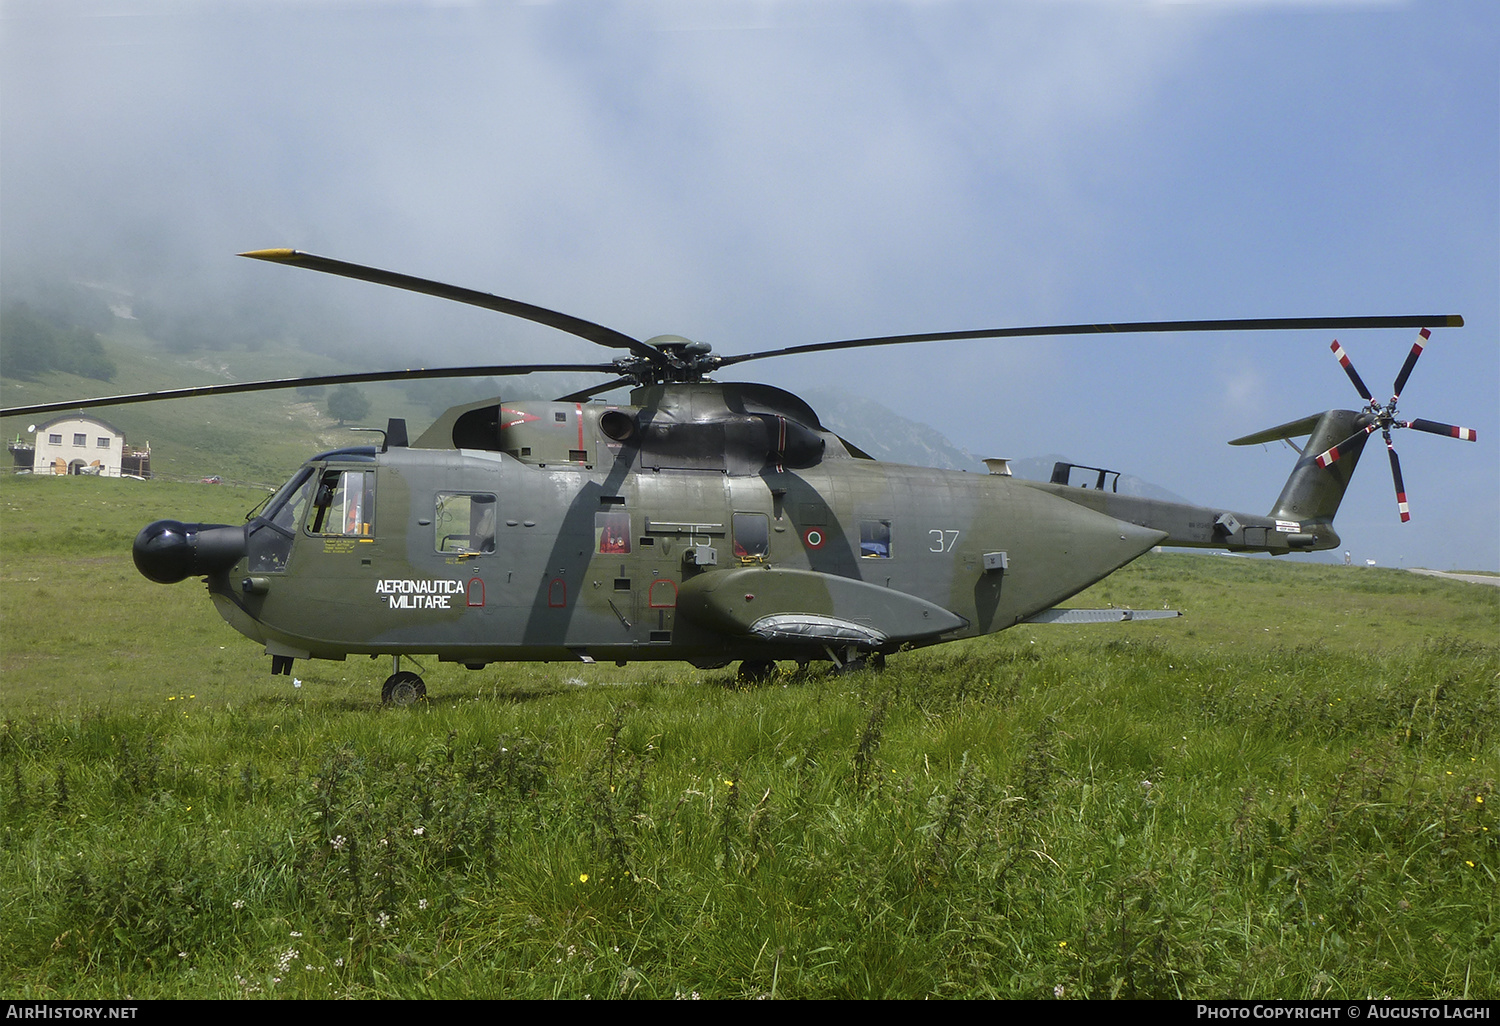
pixel 403 688
pixel 755 671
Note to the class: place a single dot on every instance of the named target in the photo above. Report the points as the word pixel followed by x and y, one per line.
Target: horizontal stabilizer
pixel 1059 615
pixel 1292 429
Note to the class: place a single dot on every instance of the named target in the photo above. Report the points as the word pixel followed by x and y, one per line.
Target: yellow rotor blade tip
pixel 272 254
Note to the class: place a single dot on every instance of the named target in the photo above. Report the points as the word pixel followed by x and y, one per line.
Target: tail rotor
pixel 1383 418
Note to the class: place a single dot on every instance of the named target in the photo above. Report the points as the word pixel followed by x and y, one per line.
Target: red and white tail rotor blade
pixel 1332 455
pixel 1396 479
pixel 1348 365
pixel 1432 427
pixel 1411 361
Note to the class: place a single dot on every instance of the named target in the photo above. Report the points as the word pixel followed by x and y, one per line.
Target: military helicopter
pixel 703 521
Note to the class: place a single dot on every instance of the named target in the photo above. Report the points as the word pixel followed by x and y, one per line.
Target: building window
pixel 102 443
pixel 54 439
pixel 80 439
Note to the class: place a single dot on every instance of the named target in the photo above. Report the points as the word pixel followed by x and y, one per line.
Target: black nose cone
pixel 169 551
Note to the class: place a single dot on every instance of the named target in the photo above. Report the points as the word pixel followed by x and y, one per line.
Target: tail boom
pixel 1300 521
pixel 1203 527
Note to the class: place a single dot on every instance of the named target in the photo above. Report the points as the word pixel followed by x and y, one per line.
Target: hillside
pixel 253 439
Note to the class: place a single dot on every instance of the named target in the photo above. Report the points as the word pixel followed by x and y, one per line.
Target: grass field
pixel 1290 792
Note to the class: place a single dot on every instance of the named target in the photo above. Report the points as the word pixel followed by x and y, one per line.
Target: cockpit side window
pixel 464 522
pixel 343 504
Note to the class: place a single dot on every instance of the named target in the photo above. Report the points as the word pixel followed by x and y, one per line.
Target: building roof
pixel 74 417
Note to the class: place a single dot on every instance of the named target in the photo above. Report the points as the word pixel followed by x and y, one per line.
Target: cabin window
pixel 465 522
pixel 875 539
pixel 344 504
pixel 612 532
pixel 752 535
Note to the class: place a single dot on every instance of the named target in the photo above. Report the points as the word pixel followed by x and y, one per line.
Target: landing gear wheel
pixel 877 661
pixel 755 671
pixel 403 688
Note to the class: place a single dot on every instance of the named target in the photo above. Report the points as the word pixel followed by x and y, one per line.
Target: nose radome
pixel 169 551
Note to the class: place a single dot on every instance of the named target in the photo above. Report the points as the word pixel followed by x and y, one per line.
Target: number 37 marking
pixel 942 541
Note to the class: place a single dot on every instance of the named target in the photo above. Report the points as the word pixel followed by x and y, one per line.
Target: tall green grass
pixel 1290 793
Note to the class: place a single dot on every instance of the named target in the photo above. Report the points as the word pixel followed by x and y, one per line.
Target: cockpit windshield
pixel 269 541
pixel 285 510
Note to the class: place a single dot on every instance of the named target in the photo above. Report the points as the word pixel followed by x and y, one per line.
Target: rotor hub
pixel 680 361
pixel 1383 416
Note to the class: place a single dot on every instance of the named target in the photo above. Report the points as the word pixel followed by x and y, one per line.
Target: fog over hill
pixel 759 176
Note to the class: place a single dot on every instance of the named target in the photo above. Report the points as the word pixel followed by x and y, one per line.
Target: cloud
pixel 765 174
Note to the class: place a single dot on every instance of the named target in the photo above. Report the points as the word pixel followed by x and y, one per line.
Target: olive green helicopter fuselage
pixel 703 521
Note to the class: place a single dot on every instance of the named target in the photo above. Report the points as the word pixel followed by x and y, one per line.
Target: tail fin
pixel 1313 491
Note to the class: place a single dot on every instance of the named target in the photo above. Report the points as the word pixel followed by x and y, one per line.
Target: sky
pixel 764 174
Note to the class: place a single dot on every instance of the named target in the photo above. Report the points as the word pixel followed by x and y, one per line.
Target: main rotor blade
pixel 583 395
pixel 273 384
pixel 1250 324
pixel 1451 430
pixel 1411 361
pixel 1348 365
pixel 1396 479
pixel 596 333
